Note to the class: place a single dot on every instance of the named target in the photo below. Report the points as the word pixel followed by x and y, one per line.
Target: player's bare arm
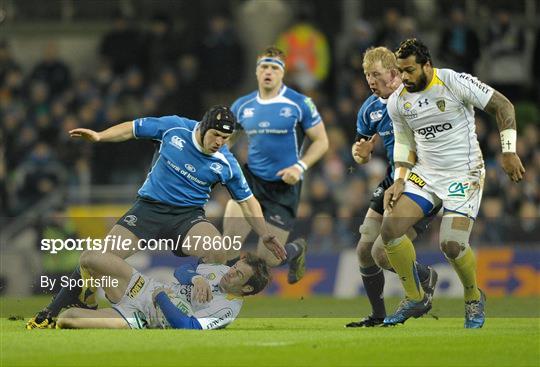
pixel 253 213
pixel 319 145
pixel 114 134
pixel 361 150
pixel 502 109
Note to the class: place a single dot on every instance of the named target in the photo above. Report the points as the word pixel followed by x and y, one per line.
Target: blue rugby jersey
pixel 275 128
pixel 373 119
pixel 183 175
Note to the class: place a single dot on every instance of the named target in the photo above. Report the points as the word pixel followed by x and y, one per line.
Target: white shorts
pixel 459 192
pixel 137 306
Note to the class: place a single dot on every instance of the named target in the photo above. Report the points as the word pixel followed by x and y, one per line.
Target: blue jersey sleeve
pixel 310 115
pixel 154 127
pixel 237 184
pixel 176 318
pixel 362 126
pixel 235 108
pixel 185 273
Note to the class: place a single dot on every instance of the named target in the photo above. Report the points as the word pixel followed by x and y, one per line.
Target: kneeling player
pixel 208 297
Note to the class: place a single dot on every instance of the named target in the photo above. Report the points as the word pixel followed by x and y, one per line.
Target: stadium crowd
pixel 141 72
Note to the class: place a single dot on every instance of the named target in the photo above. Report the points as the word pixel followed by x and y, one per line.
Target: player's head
pixel 380 68
pixel 216 127
pixel 414 63
pixel 270 68
pixel 248 276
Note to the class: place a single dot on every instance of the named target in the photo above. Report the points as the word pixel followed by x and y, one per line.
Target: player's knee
pixel 363 251
pixel 379 255
pixel 88 259
pixel 390 232
pixel 451 249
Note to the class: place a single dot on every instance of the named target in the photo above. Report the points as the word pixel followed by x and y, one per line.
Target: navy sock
pixel 293 250
pixel 373 278
pixel 66 296
pixel 423 271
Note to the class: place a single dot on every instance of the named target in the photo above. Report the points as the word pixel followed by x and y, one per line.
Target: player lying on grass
pixel 193 158
pixel 208 297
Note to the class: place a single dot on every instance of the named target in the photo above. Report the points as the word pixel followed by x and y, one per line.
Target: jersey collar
pixel 383 100
pixel 271 100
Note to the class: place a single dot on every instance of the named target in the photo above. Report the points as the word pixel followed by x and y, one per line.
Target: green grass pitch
pixel 305 332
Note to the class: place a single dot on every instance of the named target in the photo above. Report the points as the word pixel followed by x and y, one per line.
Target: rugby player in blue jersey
pixel 373 123
pixel 276 119
pixel 192 158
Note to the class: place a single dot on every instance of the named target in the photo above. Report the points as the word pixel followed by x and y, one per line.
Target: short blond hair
pixel 382 54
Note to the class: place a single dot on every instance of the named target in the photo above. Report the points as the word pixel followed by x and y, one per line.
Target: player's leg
pixel 372 274
pixel 235 227
pixel 80 318
pixel 95 265
pixel 399 248
pixel 462 200
pixel 454 241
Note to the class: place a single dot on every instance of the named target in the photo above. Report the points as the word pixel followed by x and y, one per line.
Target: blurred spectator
pixel 534 66
pixel 222 59
pixel 459 46
pixel 38 175
pixel 122 47
pixel 7 62
pixel 388 34
pixel 52 70
pixel 161 46
pixel 308 55
pixel 505 48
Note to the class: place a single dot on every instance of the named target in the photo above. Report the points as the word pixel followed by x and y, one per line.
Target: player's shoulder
pixel 295 96
pixel 448 76
pixel 174 121
pixel 370 103
pixel 398 93
pixel 244 100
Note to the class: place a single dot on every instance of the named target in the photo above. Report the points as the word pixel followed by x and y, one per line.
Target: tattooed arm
pixel 503 110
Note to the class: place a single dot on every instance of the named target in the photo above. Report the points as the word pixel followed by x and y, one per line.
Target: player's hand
pixel 87 134
pixel 201 290
pixel 272 244
pixel 290 175
pixel 392 194
pixel 363 148
pixel 513 167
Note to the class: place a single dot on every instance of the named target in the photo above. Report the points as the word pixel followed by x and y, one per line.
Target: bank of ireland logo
pixel 285 112
pixel 264 124
pixel 177 142
pixel 441 104
pixel 458 189
pixel 216 167
pixel 190 168
pixel 131 220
